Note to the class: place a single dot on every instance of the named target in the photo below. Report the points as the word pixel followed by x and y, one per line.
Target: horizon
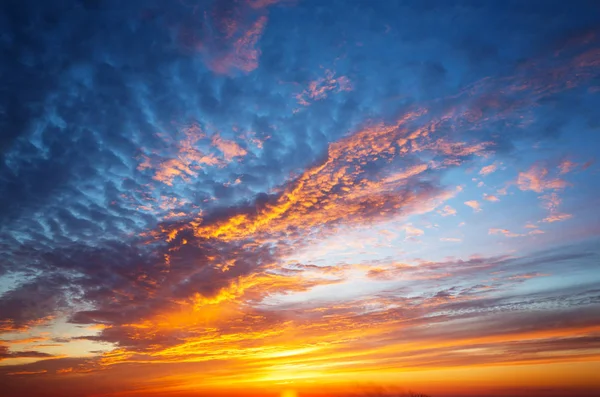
pixel 299 198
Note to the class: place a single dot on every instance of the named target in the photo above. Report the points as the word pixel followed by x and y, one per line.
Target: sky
pixel 299 198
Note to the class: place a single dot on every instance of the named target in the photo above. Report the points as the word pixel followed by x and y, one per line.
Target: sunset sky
pixel 299 198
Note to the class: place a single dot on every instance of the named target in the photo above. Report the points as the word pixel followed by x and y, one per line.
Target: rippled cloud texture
pixel 288 197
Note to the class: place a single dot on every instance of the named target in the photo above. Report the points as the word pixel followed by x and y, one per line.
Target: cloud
pixel 587 165
pixel 551 201
pixel 451 239
pixel 227 36
pixel 186 164
pixel 320 88
pixel 536 179
pixel 557 217
pixel 535 231
pixel 5 354
pixel 490 197
pixel 566 166
pixel 328 192
pixel 25 340
pixel 447 211
pixel 18 373
pixel 473 204
pixel 33 302
pixel 488 169
pixel 230 149
pixel 412 231
pixel 244 54
pixel 505 232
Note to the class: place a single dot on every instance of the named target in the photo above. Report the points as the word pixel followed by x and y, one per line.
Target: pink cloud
pixel 184 161
pixel 488 169
pixel 447 211
pixel 412 231
pixel 320 88
pixel 227 40
pixel 243 54
pixel 526 276
pixel 473 204
pixel 536 231
pixel 456 149
pixel 587 165
pixel 536 179
pixel 557 217
pixel 505 232
pixel 566 166
pixel 551 202
pixel 490 197
pixel 230 149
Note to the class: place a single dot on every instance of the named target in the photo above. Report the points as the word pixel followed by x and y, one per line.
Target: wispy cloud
pixel 557 217
pixel 505 232
pixel 451 239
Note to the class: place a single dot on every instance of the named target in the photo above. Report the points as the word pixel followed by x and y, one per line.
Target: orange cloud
pixel 26 373
pixel 26 340
pixel 336 189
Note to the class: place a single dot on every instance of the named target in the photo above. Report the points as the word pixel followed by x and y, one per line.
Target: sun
pixel 289 393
